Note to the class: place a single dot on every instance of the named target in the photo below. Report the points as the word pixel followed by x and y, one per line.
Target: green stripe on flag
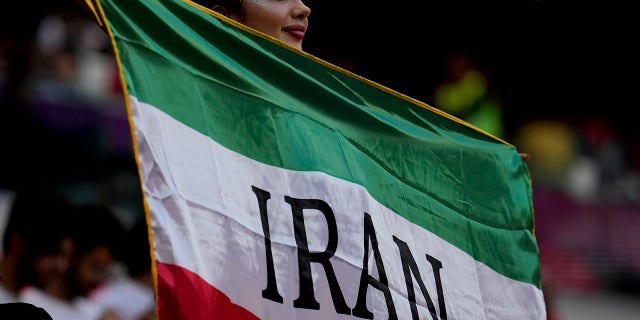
pixel 294 111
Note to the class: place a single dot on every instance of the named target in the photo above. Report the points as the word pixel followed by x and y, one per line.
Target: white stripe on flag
pixel 205 218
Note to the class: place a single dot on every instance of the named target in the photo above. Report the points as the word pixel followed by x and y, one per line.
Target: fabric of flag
pixel 278 186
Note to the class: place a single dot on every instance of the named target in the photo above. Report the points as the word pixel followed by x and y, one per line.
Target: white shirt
pixel 58 309
pixel 128 298
pixel 7 296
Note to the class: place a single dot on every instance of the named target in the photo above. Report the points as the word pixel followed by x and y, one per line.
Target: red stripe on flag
pixel 183 294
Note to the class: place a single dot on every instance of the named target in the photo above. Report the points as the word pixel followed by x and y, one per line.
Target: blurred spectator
pixel 74 55
pixel 585 159
pixel 466 94
pixel 40 250
pixel 98 235
pixel 36 224
pixel 132 297
pixel 554 148
pixel 618 179
pixel 46 250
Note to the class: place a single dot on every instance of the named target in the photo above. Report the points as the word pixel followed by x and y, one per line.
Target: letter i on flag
pixel 278 186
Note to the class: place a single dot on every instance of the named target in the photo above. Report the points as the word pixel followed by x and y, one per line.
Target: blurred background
pixel 557 79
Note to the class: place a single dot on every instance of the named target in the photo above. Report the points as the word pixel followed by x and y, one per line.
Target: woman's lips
pixel 296 31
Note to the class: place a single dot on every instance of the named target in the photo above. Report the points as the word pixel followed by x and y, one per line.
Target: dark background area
pixel 560 59
pixel 549 58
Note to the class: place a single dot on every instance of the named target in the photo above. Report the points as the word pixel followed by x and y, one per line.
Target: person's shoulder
pixel 6 295
pixel 23 311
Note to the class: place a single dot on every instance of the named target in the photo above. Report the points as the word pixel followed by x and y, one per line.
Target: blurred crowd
pixel 585 175
pixel 75 241
pixel 77 261
pixel 74 229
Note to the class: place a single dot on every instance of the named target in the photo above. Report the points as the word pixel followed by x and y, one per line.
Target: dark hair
pixel 137 258
pixel 35 210
pixel 230 5
pixel 24 310
pixel 97 224
pixel 42 219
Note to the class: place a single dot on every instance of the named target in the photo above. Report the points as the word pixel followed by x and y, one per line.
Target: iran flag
pixel 278 186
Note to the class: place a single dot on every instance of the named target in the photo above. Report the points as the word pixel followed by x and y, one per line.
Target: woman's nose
pixel 301 10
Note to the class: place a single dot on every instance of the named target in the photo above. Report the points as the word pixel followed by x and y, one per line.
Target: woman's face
pixel 286 20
